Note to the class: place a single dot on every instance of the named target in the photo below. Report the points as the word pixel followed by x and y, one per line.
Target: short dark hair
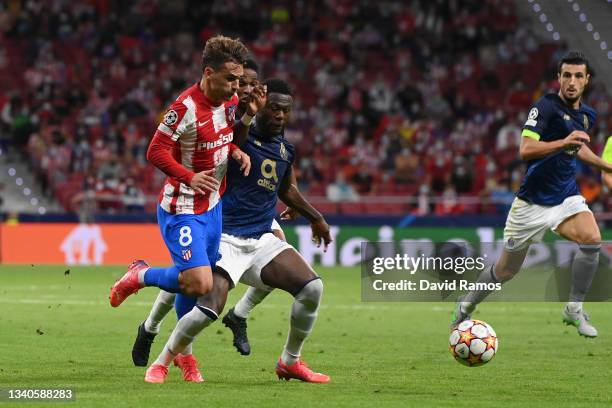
pixel 250 63
pixel 574 58
pixel 277 85
pixel 219 49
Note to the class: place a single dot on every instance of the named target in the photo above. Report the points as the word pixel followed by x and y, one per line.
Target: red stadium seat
pixel 352 208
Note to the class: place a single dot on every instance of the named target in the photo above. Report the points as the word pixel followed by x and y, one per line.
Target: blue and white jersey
pixel 249 203
pixel 550 180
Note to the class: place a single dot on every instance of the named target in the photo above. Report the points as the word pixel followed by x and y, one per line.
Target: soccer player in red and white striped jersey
pixel 192 146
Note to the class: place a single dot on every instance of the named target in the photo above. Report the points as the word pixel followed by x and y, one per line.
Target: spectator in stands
pixel 340 190
pixel 374 87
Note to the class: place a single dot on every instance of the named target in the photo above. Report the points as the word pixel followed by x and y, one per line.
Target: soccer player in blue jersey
pixel 253 296
pixel 192 147
pixel 554 136
pixel 250 253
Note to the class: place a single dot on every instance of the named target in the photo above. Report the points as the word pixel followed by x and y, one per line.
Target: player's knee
pixel 198 286
pixel 202 287
pixel 311 293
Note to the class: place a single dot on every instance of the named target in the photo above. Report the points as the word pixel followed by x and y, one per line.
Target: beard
pixel 571 99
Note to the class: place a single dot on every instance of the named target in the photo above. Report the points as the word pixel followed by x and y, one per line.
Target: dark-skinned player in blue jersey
pixel 554 136
pixel 250 253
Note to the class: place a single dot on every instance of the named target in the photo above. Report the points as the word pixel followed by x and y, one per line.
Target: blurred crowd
pixel 421 102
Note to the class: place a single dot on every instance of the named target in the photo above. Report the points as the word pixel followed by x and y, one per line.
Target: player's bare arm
pixel 257 101
pixel 532 149
pixel 290 195
pixel 243 159
pixel 289 214
pixel 586 155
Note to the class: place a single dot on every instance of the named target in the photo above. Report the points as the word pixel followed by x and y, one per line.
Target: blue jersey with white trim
pixel 551 179
pixel 249 203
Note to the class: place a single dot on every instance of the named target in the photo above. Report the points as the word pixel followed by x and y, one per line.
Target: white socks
pixel 303 316
pixel 185 332
pixel 163 304
pixel 251 298
pixel 574 307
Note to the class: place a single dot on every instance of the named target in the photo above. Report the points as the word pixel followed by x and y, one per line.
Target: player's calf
pixel 303 317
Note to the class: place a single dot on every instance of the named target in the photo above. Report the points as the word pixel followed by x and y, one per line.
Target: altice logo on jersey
pixel 223 140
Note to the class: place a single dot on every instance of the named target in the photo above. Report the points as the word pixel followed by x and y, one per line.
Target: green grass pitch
pixel 57 330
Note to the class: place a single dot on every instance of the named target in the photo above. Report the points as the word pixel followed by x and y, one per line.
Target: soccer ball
pixel 473 343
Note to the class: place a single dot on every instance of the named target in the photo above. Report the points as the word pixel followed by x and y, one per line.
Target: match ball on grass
pixel 473 343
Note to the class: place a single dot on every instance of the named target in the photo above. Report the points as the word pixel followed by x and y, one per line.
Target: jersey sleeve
pixel 537 120
pixel 159 154
pixel 592 119
pixel 291 150
pixel 607 152
pixel 232 148
pixel 174 123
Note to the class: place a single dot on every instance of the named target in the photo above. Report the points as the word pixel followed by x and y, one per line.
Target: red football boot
pixel 300 371
pixel 157 373
pixel 189 366
pixel 128 284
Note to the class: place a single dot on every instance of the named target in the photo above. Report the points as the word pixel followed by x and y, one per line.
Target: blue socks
pixel 163 278
pixel 183 305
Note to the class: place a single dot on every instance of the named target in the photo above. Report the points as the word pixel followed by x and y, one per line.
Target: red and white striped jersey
pixel 199 136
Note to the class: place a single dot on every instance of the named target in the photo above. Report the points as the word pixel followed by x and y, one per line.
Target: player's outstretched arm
pixel 290 195
pixel 532 149
pixel 258 98
pixel 586 155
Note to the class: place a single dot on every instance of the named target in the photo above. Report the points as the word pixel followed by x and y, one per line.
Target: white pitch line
pixel 269 305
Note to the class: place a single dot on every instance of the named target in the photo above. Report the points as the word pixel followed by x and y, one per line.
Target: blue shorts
pixel 192 239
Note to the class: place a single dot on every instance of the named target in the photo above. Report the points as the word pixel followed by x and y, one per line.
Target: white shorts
pixel 275 225
pixel 527 223
pixel 244 258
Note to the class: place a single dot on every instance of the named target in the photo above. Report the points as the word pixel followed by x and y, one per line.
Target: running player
pixel 554 135
pixel 165 300
pixel 192 146
pixel 607 156
pixel 251 254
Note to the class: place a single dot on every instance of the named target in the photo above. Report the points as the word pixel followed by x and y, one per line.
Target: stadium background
pixel 406 114
pixel 407 121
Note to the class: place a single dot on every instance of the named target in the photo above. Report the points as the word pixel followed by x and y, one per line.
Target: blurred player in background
pixel 607 156
pixel 554 135
pixel 192 146
pixel 251 254
pixel 165 300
